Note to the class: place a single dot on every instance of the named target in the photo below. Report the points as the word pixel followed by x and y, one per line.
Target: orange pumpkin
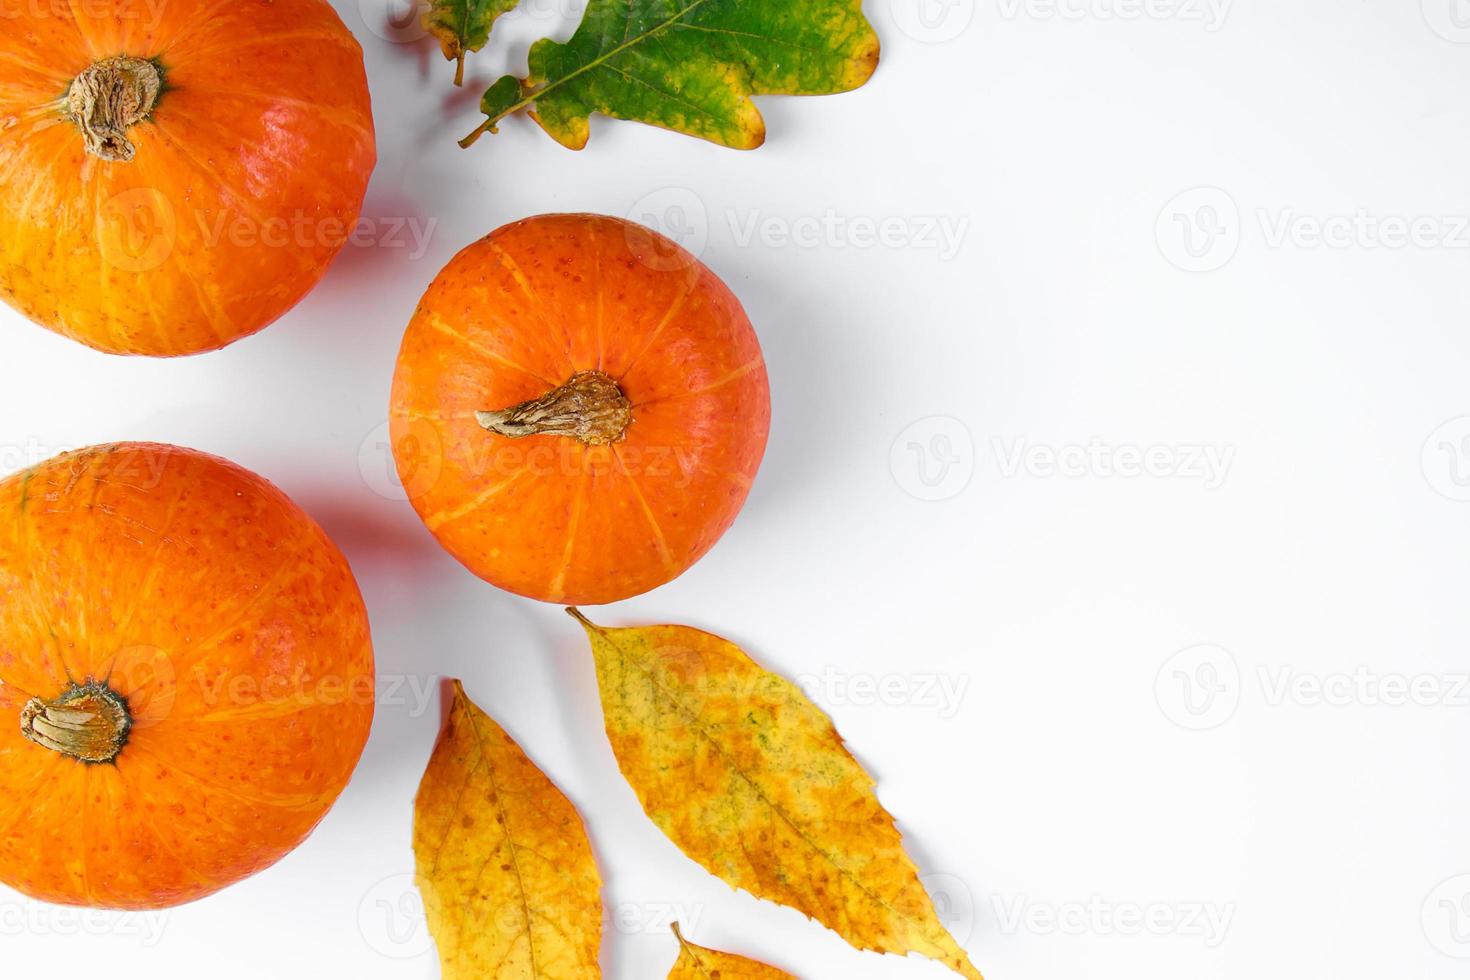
pixel 579 408
pixel 176 175
pixel 186 677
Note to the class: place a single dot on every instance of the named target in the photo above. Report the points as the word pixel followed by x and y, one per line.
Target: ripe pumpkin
pixel 175 175
pixel 579 408
pixel 186 677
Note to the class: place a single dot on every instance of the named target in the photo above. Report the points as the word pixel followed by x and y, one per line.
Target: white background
pixel 1181 691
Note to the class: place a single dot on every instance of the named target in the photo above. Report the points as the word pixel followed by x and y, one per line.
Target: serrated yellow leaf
pixel 510 886
pixel 698 963
pixel 752 781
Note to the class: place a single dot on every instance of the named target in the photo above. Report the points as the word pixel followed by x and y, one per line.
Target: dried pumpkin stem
pixel 108 99
pixel 589 407
pixel 89 723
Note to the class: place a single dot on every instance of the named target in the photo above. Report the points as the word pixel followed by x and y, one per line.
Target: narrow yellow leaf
pixel 698 963
pixel 510 886
pixel 751 780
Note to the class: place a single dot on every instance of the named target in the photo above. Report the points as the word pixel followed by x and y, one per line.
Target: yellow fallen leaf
pixel 751 780
pixel 698 963
pixel 510 886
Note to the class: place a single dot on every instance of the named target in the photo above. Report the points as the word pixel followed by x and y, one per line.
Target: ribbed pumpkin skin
pixel 236 632
pixel 545 516
pixel 248 177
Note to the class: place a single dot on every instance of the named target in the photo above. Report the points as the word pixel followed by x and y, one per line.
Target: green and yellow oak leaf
pixel 698 963
pixel 752 781
pixel 688 65
pixel 510 886
pixel 462 26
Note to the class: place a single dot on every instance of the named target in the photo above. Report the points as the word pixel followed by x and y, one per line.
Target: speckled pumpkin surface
pixel 176 175
pixel 186 676
pixel 579 409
